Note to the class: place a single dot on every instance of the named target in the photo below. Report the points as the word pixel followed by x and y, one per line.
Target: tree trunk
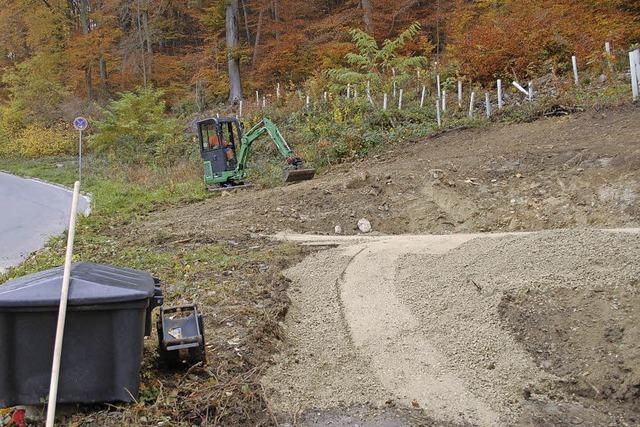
pixel 246 22
pixel 367 15
pixel 102 64
pixel 257 42
pixel 85 26
pixel 231 27
pixel 276 17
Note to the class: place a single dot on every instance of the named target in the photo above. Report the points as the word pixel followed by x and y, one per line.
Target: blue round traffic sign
pixel 80 123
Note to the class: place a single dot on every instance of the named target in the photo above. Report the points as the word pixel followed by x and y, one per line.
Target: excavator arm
pixel 295 171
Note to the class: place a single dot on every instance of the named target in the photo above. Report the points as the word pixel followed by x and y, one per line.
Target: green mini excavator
pixel 225 149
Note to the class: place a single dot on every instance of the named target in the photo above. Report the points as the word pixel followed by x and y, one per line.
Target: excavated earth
pixel 528 329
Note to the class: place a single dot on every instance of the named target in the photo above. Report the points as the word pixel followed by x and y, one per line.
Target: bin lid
pixel 90 284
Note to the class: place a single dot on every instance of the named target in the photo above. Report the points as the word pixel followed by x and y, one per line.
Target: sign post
pixel 80 124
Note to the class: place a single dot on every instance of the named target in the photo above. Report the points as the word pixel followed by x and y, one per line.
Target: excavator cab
pixel 220 140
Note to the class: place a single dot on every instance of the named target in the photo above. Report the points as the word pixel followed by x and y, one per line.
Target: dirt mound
pixel 579 170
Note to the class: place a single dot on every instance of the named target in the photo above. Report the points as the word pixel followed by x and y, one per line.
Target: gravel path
pixel 414 319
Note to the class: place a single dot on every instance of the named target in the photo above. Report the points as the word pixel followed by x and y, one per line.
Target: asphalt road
pixel 31 212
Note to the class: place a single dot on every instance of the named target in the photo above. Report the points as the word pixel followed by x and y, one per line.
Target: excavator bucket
pixel 296 175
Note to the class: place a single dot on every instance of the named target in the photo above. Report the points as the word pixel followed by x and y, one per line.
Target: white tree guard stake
pixel 574 62
pixel 264 102
pixel 325 96
pixel 240 109
pixel 530 91
pixel 636 54
pixel 444 101
pixel 438 86
pixel 355 93
pixel 520 88
pixel 418 74
pixel 395 88
pixel 460 93
pixel 471 102
pixel 385 101
pixel 348 90
pixel 487 104
pixel 422 96
pixel 499 83
pixel 308 101
pixel 62 311
pixel 607 48
pixel 438 118
pixel 278 91
pixel 257 99
pixel 400 100
pixel 634 74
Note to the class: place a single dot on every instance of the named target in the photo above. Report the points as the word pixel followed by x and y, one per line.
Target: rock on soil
pixel 527 329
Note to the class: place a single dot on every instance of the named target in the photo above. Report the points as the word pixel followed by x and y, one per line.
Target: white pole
pixel 395 88
pixel 384 102
pixel 264 102
pixel 471 102
pixel 637 66
pixel 520 88
pixel 355 93
pixel 80 157
pixel 308 100
pixel 424 93
pixel 400 100
pixel 326 97
pixel 278 91
pixel 487 103
pixel 459 93
pixel 634 74
pixel 438 118
pixel 348 90
pixel 62 311
pixel 607 48
pixel 444 101
pixel 499 94
pixel 574 62
pixel 530 91
pixel 438 85
pixel 257 99
pixel 240 112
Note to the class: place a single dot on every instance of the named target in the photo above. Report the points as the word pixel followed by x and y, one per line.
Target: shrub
pixel 135 128
pixel 37 140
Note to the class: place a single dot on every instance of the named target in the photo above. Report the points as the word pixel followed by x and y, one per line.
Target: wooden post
pixel 460 93
pixel 384 102
pixel 62 309
pixel 400 100
pixel 487 104
pixel 471 102
pixel 424 93
pixel 634 74
pixel 499 94
pixel 438 118
pixel 574 62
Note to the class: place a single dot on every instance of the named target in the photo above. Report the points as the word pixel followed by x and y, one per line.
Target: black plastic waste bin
pixel 109 312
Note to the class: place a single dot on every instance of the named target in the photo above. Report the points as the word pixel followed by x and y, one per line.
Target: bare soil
pixel 570 172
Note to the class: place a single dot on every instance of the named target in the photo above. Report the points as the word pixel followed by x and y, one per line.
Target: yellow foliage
pixel 39 141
